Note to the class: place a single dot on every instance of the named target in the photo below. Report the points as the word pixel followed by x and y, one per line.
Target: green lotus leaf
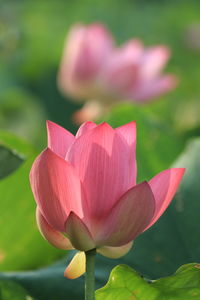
pixel 125 283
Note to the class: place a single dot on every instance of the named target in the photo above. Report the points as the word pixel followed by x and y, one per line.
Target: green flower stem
pixel 89 277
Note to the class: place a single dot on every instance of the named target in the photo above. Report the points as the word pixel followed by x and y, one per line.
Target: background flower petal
pixel 149 89
pixel 121 69
pixel 153 61
pixel 86 49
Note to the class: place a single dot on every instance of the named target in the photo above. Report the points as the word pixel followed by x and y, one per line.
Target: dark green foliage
pixel 9 161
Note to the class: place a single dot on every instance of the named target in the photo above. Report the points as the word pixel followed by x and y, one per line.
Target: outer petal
pixel 84 128
pixel 153 61
pixel 76 267
pixel 59 139
pixel 164 186
pixel 101 159
pixel 54 237
pixel 147 90
pixel 115 252
pixel 56 188
pixel 78 233
pixel 128 132
pixel 129 217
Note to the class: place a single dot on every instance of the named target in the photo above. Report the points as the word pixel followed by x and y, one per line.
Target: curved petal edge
pixel 115 252
pixel 54 237
pixel 164 186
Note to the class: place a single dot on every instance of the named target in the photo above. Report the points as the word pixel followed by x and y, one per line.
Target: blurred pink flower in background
pixel 86 192
pixel 93 68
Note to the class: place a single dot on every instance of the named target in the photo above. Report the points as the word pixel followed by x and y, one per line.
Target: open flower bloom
pixel 86 192
pixel 93 68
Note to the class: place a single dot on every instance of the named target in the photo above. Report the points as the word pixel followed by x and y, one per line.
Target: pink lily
pixel 86 192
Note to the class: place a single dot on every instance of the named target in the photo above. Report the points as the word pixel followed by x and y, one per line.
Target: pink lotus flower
pixel 86 192
pixel 92 67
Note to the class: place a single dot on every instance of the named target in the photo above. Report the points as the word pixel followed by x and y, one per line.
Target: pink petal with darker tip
pixel 56 188
pixel 128 218
pixel 101 159
pixel 164 186
pixel 59 139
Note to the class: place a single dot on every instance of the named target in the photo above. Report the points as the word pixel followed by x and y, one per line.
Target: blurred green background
pixel 32 35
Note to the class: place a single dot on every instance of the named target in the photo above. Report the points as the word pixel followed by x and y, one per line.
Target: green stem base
pixel 89 277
